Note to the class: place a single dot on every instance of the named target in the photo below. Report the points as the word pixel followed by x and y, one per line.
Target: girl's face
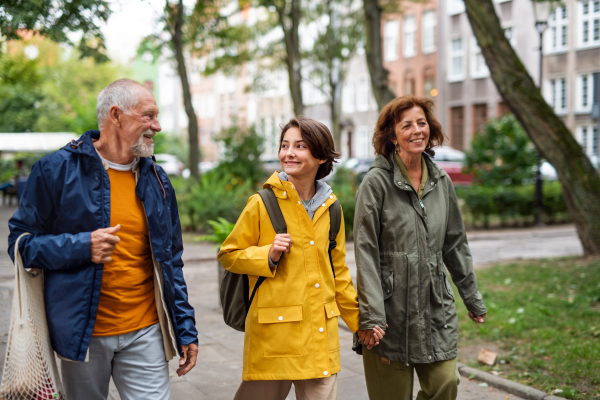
pixel 295 157
pixel 412 132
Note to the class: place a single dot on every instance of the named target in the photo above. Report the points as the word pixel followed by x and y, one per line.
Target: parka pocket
pixel 387 285
pixel 333 337
pixel 282 330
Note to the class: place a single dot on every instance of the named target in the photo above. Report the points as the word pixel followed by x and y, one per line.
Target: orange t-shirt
pixel 127 301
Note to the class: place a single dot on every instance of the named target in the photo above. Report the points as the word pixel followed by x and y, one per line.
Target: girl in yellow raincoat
pixel 292 325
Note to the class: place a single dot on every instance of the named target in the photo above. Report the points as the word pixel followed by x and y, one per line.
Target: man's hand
pixel 102 244
pixel 480 319
pixel 371 337
pixel 190 353
pixel 281 244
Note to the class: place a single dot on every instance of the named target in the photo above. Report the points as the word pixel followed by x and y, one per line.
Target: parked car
pixel 452 161
pixel 170 164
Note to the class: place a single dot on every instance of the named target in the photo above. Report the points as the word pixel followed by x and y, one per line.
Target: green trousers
pixel 392 380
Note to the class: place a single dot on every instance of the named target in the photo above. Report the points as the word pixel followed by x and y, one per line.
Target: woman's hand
pixel 281 244
pixel 371 337
pixel 480 319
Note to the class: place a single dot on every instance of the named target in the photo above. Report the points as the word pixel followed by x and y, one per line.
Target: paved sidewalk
pixel 218 372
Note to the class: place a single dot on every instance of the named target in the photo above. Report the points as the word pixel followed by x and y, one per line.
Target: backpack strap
pixel 276 216
pixel 335 221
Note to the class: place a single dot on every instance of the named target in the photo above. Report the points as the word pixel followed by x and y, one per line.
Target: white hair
pixel 120 93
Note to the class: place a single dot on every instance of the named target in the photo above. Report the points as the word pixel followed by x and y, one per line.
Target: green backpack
pixel 235 288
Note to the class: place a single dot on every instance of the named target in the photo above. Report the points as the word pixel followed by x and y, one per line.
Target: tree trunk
pixel 374 52
pixel 177 41
pixel 580 181
pixel 292 47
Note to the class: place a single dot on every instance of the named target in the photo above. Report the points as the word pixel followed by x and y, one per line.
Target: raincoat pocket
pixel 333 337
pixel 282 330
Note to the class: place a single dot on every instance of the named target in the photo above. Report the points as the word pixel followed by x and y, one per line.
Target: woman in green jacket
pixel 407 226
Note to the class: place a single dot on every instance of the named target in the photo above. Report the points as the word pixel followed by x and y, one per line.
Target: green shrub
pixel 215 197
pixel 220 230
pixel 344 185
pixel 554 201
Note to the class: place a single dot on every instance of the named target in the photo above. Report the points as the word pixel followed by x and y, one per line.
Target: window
pixel 364 146
pixel 479 68
pixel 391 32
pixel 585 93
pixel 456 7
pixel 409 39
pixel 589 138
pixel 480 118
pixel 457 56
pixel 348 97
pixel 589 28
pixel 457 121
pixel 556 35
pixel 429 86
pixel 556 94
pixel 409 87
pixel 362 98
pixel 428 24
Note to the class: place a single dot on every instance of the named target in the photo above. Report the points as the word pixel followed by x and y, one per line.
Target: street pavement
pixel 218 372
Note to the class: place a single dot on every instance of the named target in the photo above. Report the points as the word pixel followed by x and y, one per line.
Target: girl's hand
pixel 480 319
pixel 371 337
pixel 281 244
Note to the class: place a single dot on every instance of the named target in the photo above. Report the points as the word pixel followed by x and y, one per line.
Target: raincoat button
pixel 299 202
pixel 292 186
pixel 312 243
pixel 325 373
pixel 321 329
pixel 284 193
pixel 317 285
pixel 281 319
pixel 323 205
pixel 331 197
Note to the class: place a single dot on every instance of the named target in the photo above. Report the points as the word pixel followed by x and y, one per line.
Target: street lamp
pixel 541 12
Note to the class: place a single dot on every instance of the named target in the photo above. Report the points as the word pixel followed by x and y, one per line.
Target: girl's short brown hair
pixel 319 141
pixel 385 130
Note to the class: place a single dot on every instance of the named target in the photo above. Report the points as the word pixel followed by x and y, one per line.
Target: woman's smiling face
pixel 295 157
pixel 412 132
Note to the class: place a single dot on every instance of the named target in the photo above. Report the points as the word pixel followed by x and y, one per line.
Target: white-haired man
pixel 104 227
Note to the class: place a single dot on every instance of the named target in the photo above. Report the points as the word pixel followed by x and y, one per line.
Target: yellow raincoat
pixel 292 325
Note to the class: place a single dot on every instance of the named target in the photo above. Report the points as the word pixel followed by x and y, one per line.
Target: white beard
pixel 140 149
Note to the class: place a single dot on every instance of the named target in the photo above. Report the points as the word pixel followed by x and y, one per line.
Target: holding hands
pixel 371 337
pixel 281 244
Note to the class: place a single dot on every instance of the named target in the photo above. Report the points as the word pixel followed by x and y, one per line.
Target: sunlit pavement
pixel 218 372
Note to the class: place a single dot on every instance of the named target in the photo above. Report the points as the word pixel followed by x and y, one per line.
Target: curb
pixel 507 385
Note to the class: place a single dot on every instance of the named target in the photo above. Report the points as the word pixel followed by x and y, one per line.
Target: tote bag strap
pixel 19 271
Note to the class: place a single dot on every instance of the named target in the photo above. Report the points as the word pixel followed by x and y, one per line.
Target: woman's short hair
pixel 389 117
pixel 319 141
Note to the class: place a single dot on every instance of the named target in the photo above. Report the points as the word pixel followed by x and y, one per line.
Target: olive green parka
pixel 401 244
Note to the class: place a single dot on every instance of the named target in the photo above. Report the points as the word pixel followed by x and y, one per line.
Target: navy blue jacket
pixel 66 198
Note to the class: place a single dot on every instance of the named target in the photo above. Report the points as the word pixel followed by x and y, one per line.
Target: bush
pixel 344 185
pixel 215 197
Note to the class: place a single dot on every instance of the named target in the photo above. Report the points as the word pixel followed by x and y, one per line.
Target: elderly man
pixel 104 227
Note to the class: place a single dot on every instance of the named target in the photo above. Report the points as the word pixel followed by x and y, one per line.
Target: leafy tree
pixel 55 19
pixel 580 181
pixel 502 154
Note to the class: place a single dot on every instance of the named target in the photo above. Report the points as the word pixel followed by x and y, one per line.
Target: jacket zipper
pixel 407 303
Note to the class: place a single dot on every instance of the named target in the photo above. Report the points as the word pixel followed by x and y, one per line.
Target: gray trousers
pixel 136 361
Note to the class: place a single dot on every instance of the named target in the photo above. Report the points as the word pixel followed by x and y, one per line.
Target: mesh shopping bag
pixel 30 371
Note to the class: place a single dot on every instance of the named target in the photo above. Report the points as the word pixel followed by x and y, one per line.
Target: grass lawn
pixel 544 316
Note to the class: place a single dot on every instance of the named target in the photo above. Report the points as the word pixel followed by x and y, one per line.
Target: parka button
pixel 321 329
pixel 280 318
pixel 325 373
pixel 312 243
pixel 445 326
pixel 429 358
pixel 432 183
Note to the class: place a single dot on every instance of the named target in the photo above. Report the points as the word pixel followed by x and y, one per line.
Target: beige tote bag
pixel 30 371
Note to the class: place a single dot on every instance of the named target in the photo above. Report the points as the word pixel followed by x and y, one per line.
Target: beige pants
pixel 309 389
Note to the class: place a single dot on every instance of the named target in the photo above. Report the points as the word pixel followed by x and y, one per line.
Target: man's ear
pixel 114 116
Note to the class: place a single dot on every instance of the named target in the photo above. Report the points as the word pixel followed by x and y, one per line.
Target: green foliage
pixel 8 168
pixel 502 155
pixel 220 230
pixel 512 203
pixel 344 185
pixel 213 198
pixel 241 160
pixel 51 92
pixel 55 19
pixel 544 316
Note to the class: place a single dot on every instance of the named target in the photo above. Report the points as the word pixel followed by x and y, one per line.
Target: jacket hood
pixel 388 164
